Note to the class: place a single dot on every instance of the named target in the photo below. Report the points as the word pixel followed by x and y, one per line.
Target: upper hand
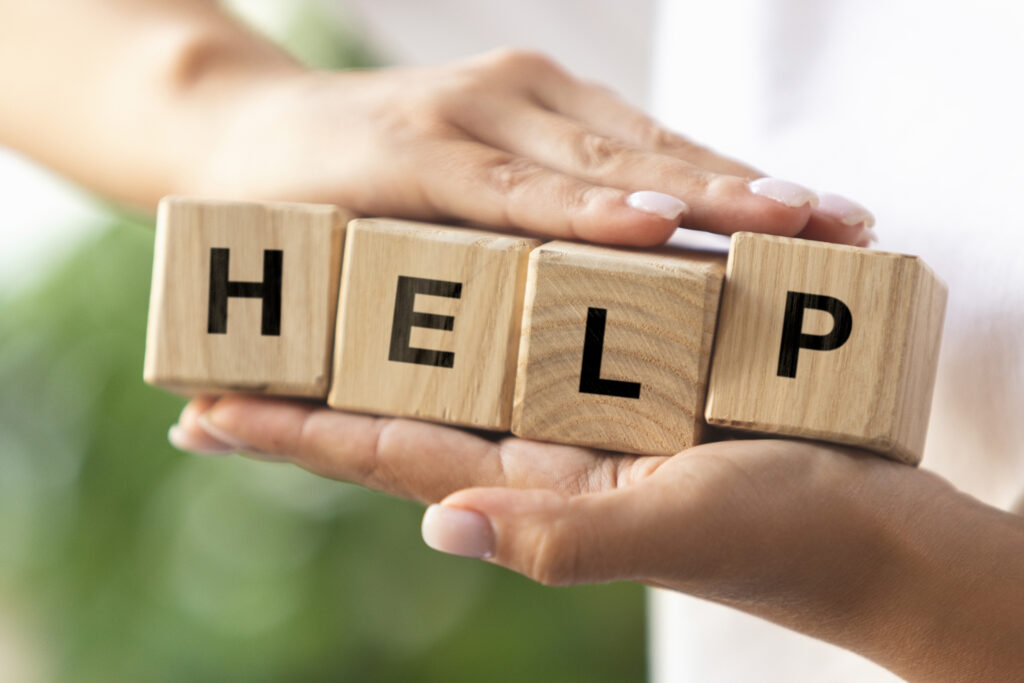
pixel 507 140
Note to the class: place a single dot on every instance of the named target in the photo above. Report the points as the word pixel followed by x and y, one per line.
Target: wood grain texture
pixel 489 270
pixel 659 324
pixel 183 355
pixel 874 391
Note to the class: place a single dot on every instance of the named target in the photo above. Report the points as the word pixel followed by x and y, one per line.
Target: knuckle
pixel 596 153
pixel 425 115
pixel 369 468
pixel 662 138
pixel 556 558
pixel 576 196
pixel 508 176
pixel 655 136
pixel 703 184
pixel 521 61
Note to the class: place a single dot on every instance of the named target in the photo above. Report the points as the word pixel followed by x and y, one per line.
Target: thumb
pixel 551 538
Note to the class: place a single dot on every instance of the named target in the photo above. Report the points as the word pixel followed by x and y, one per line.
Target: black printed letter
pixel 793 338
pixel 406 318
pixel 221 289
pixel 593 349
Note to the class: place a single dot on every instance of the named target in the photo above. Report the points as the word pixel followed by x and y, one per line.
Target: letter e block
pixel 616 346
pixel 827 342
pixel 244 297
pixel 428 322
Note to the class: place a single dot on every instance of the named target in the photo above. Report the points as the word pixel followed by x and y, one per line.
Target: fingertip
pixel 229 410
pixel 194 408
pixel 772 218
pixel 196 441
pixel 729 204
pixel 784 192
pixel 657 204
pixel 221 434
pixel 844 210
pixel 638 219
pixel 458 531
pixel 188 433
pixel 869 239
pixel 823 228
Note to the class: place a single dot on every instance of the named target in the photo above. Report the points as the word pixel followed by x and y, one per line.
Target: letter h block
pixel 428 322
pixel 616 346
pixel 244 297
pixel 828 342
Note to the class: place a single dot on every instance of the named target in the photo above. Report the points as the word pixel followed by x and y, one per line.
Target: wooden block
pixel 827 342
pixel 428 322
pixel 616 346
pixel 244 297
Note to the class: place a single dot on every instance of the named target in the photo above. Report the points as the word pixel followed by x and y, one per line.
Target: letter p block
pixel 828 342
pixel 428 322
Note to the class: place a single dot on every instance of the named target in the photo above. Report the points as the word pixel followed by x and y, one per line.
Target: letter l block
pixel 828 342
pixel 244 297
pixel 428 322
pixel 616 346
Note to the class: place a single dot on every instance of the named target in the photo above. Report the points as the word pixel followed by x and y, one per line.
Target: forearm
pixel 933 588
pixel 124 96
pixel 905 570
pixel 958 613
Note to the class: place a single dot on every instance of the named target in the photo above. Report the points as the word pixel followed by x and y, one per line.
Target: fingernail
pixel 784 191
pixel 236 445
pixel 871 235
pixel 657 203
pixel 458 532
pixel 263 457
pixel 185 441
pixel 219 434
pixel 846 211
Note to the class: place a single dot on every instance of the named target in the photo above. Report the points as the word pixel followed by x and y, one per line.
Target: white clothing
pixel 913 108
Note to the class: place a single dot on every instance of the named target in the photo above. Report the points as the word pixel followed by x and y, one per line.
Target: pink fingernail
pixel 185 441
pixel 457 532
pixel 657 203
pixel 784 192
pixel 846 211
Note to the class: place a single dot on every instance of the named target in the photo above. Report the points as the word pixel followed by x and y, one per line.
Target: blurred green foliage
pixel 124 560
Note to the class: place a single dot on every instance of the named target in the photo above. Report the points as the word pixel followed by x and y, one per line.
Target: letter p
pixel 793 337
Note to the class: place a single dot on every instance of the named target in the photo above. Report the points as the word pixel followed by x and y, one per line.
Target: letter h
pixel 221 289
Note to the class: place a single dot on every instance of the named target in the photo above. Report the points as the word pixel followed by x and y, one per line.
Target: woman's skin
pixel 883 559
pixel 138 99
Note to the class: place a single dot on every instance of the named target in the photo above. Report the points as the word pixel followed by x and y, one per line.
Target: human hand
pixel 713 520
pixel 507 140
pixel 810 536
pixel 886 560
